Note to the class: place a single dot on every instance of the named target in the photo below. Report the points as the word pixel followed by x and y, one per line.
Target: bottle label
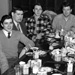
pixel 70 67
pixel 25 69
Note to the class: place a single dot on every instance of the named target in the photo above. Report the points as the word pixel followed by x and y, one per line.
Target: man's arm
pixel 3 61
pixel 28 44
pixel 55 23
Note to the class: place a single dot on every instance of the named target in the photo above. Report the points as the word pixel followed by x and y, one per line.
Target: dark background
pixel 54 5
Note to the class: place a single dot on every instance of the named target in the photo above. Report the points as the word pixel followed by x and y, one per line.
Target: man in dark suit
pixel 17 16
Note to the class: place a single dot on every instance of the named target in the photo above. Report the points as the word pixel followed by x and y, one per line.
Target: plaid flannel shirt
pixel 44 26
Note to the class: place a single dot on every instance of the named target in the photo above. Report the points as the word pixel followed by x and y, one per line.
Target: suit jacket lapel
pixel 23 27
pixel 14 27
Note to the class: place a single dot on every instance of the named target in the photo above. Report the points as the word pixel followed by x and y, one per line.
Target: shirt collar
pixel 69 17
pixel 15 23
pixel 6 32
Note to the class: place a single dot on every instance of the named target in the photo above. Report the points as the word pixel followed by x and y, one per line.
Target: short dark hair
pixel 17 8
pixel 14 9
pixel 4 17
pixel 39 4
pixel 66 4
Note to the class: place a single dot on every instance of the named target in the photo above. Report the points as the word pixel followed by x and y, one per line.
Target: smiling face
pixel 67 11
pixel 17 16
pixel 37 10
pixel 8 25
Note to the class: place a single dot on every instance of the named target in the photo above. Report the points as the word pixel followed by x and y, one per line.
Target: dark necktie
pixel 18 27
pixel 9 35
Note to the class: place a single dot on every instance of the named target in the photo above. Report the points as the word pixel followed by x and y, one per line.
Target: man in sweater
pixel 9 43
pixel 65 20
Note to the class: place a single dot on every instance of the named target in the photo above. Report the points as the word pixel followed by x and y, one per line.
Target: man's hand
pixel 34 38
pixel 39 36
pixel 24 50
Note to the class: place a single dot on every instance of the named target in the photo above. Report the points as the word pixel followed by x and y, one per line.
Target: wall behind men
pixel 52 5
pixel 5 6
pixel 28 5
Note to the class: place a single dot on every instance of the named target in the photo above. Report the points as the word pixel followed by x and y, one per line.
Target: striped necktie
pixel 18 27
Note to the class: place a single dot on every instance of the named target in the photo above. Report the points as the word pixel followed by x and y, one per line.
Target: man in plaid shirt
pixel 38 25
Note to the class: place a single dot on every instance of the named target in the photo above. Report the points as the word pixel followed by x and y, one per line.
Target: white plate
pixel 47 69
pixel 42 52
pixel 29 53
pixel 56 74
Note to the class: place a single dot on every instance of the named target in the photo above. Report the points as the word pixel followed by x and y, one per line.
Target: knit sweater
pixel 10 45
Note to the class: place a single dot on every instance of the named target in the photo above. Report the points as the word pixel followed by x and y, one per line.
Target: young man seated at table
pixel 38 26
pixel 64 20
pixel 9 41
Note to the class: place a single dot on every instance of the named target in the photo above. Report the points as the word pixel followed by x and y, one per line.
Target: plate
pixel 47 69
pixel 56 74
pixel 29 53
pixel 42 52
